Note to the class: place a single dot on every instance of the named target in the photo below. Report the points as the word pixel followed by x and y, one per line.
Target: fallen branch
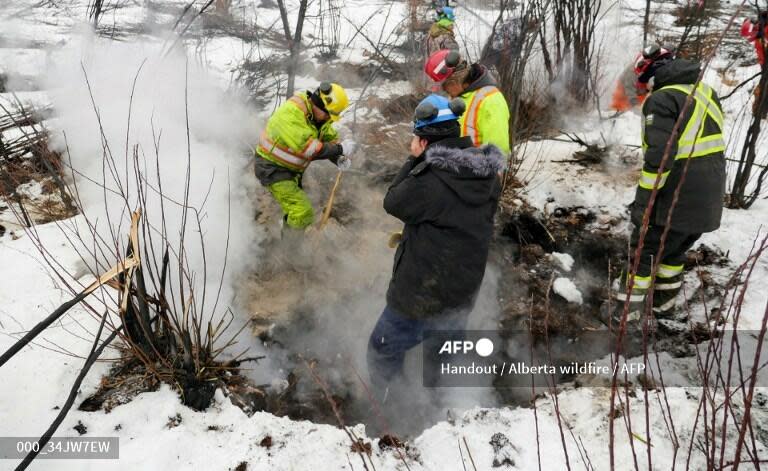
pixel 92 357
pixel 739 86
pixel 471 460
pixel 119 268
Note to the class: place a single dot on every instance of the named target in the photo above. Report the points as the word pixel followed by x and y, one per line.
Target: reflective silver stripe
pixel 648 179
pixel 669 286
pixel 700 146
pixel 313 148
pixel 633 298
pixel 689 144
pixel 642 283
pixel 665 271
pixel 703 95
pixel 279 153
pixel 439 67
pixel 711 106
pixel 665 307
pixel 283 155
pixel 474 108
pixel 694 125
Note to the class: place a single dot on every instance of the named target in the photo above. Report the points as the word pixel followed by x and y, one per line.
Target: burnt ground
pixel 315 387
pixel 523 243
pixel 28 162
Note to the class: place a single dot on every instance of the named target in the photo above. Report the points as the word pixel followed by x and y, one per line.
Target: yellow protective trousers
pixel 294 202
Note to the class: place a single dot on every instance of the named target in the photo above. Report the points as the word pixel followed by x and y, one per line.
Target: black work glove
pixel 329 152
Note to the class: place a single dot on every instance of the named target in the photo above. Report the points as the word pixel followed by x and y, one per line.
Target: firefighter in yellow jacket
pixel 486 120
pixel 299 132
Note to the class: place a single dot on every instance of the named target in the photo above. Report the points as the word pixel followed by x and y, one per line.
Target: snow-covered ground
pixel 156 432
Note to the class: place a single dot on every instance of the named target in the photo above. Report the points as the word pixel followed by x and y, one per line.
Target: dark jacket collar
pixel 457 142
pixel 480 77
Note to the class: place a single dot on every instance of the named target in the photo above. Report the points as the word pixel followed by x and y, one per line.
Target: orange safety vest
pixel 297 160
pixel 470 127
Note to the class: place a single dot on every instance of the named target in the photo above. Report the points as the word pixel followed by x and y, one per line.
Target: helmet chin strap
pixel 317 100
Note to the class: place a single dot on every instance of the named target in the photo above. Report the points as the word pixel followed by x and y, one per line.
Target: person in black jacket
pixel 696 164
pixel 446 194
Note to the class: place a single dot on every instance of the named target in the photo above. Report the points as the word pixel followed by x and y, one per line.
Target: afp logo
pixel 483 347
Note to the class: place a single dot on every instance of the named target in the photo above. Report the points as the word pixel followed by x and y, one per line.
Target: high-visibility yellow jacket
pixel 291 139
pixel 696 160
pixel 486 119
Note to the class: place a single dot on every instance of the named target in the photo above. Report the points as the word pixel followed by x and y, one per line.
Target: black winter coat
pixel 447 198
pixel 700 204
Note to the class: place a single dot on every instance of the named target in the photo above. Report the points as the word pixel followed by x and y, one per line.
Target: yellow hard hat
pixel 334 99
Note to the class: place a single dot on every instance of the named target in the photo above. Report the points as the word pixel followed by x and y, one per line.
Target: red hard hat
pixel 440 65
pixel 649 56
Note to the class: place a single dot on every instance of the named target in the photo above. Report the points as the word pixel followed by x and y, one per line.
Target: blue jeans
pixel 395 334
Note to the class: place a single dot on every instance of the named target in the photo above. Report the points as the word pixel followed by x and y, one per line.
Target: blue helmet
pixel 436 109
pixel 446 12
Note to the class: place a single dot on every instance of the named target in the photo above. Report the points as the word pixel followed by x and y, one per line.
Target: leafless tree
pixel 569 55
pixel 329 28
pixel 747 186
pixel 293 39
pixel 646 21
pixel 508 50
pixel 95 9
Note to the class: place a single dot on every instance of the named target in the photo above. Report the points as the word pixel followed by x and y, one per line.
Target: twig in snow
pixel 469 453
pixel 96 350
pixel 739 86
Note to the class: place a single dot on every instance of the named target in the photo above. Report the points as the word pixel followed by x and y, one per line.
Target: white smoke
pixel 180 120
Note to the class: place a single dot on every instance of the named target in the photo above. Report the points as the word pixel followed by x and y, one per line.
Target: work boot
pixel 611 316
pixel 665 295
pixel 619 296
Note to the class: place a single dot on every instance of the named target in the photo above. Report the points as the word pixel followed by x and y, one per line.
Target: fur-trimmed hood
pixel 470 171
pixel 481 161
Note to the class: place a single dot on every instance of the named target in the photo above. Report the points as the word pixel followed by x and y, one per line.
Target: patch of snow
pixel 563 259
pixel 568 290
pixel 31 190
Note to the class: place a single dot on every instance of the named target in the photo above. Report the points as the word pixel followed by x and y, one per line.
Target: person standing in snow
pixel 486 120
pixel 697 144
pixel 446 193
pixel 756 32
pixel 441 34
pixel 299 132
pixel 632 85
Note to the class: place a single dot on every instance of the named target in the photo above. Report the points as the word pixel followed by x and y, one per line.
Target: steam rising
pixel 114 131
pixel 98 129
